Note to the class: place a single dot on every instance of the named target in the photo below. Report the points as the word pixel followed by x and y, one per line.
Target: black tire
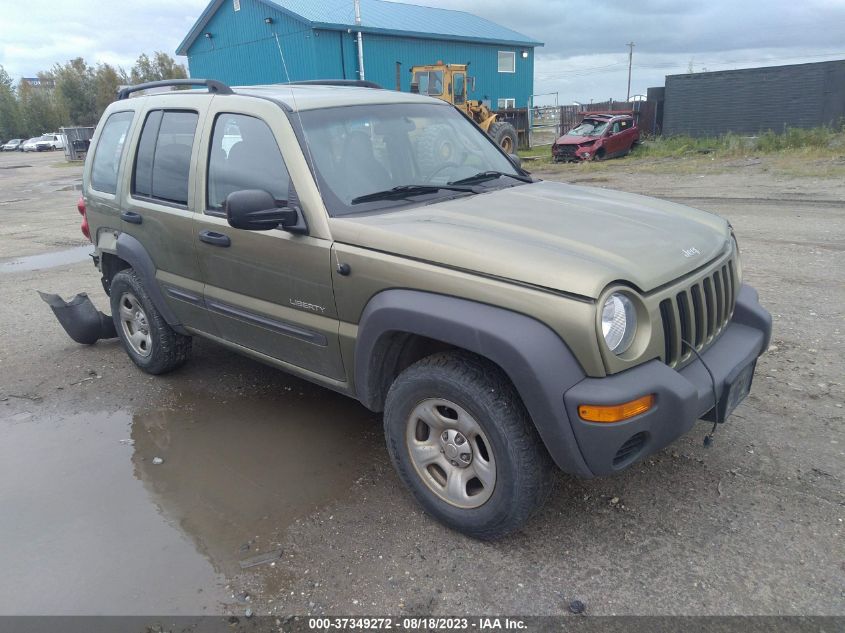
pixel 435 147
pixel 169 349
pixel 504 135
pixel 524 470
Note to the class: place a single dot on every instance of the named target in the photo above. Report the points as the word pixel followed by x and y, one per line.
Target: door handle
pixel 131 217
pixel 214 238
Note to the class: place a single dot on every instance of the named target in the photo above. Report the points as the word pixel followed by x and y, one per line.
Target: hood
pixel 576 140
pixel 550 234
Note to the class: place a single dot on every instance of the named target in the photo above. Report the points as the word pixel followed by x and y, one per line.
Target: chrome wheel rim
pixel 133 322
pixel 450 453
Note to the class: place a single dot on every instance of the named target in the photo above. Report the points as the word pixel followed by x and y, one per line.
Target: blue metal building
pixel 238 42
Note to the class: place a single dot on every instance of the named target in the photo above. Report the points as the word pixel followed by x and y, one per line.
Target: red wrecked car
pixel 597 137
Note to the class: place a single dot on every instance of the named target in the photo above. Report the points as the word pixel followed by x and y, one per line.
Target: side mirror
pixel 516 160
pixel 257 210
pixel 471 84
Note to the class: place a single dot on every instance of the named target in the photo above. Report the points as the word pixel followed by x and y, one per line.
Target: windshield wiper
pixel 403 191
pixel 490 175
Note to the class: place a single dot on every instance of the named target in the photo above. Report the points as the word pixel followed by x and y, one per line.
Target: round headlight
pixel 618 322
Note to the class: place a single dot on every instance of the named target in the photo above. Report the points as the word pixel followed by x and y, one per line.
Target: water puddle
pixel 78 534
pixel 46 260
pixel 158 511
pixel 234 475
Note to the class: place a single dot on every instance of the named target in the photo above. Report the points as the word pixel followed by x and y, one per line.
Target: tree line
pixel 73 93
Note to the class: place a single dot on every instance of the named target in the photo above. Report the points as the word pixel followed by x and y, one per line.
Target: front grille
pixel 630 448
pixel 564 150
pixel 697 314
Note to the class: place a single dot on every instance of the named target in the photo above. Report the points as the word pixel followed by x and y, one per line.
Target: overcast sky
pixel 585 54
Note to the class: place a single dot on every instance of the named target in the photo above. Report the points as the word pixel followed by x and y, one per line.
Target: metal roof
pixel 395 18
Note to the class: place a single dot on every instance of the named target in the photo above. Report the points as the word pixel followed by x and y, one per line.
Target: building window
pixel 504 104
pixel 507 62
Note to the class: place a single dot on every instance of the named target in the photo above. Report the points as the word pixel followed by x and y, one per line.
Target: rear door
pixel 627 133
pixel 267 291
pixel 159 207
pixel 615 140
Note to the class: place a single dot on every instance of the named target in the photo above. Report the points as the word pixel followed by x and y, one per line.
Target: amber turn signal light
pixel 615 412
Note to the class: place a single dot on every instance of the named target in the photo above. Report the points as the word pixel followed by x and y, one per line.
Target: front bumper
pixel 571 153
pixel 682 396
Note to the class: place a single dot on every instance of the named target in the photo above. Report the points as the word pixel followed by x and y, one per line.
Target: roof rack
pixel 359 83
pixel 214 86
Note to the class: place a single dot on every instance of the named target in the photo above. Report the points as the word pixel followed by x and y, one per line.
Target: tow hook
pixel 80 318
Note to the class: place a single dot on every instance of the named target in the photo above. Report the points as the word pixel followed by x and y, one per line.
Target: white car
pixel 50 142
pixel 31 145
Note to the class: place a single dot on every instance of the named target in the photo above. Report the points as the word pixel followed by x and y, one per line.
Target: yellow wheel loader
pixel 450 82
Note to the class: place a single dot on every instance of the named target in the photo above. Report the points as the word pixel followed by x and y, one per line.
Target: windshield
pixel 588 128
pixel 430 82
pixel 361 150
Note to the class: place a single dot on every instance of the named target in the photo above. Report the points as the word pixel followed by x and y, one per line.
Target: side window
pixel 616 127
pixel 421 79
pixel 107 154
pixel 163 160
pixel 244 155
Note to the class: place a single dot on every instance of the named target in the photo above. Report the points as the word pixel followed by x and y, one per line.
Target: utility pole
pixel 360 40
pixel 630 63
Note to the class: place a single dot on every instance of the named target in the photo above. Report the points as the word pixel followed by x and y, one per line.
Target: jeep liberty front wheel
pixel 463 443
pixel 147 338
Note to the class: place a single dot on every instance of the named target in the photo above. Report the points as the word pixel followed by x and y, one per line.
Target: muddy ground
pixel 259 464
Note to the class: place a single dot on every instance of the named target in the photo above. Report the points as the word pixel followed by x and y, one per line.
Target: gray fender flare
pixel 133 252
pixel 537 361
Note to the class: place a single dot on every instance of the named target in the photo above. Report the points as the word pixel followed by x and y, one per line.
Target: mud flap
pixel 80 319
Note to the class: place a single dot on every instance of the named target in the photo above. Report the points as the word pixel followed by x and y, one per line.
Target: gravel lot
pixel 257 463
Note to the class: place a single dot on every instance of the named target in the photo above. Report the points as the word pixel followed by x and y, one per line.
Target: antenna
pixel 311 162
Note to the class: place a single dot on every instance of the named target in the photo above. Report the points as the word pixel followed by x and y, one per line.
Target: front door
pixel 459 89
pixel 267 291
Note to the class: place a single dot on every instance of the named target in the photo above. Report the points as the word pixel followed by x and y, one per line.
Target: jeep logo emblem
pixel 692 251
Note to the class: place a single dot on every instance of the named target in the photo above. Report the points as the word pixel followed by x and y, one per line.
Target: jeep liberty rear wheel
pixel 463 443
pixel 147 338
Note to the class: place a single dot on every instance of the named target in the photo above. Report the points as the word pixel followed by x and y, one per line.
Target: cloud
pixel 48 31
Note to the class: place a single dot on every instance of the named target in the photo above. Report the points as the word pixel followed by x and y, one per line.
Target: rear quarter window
pixel 108 152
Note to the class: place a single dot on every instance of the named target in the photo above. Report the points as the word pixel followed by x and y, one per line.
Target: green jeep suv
pixel 381 245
